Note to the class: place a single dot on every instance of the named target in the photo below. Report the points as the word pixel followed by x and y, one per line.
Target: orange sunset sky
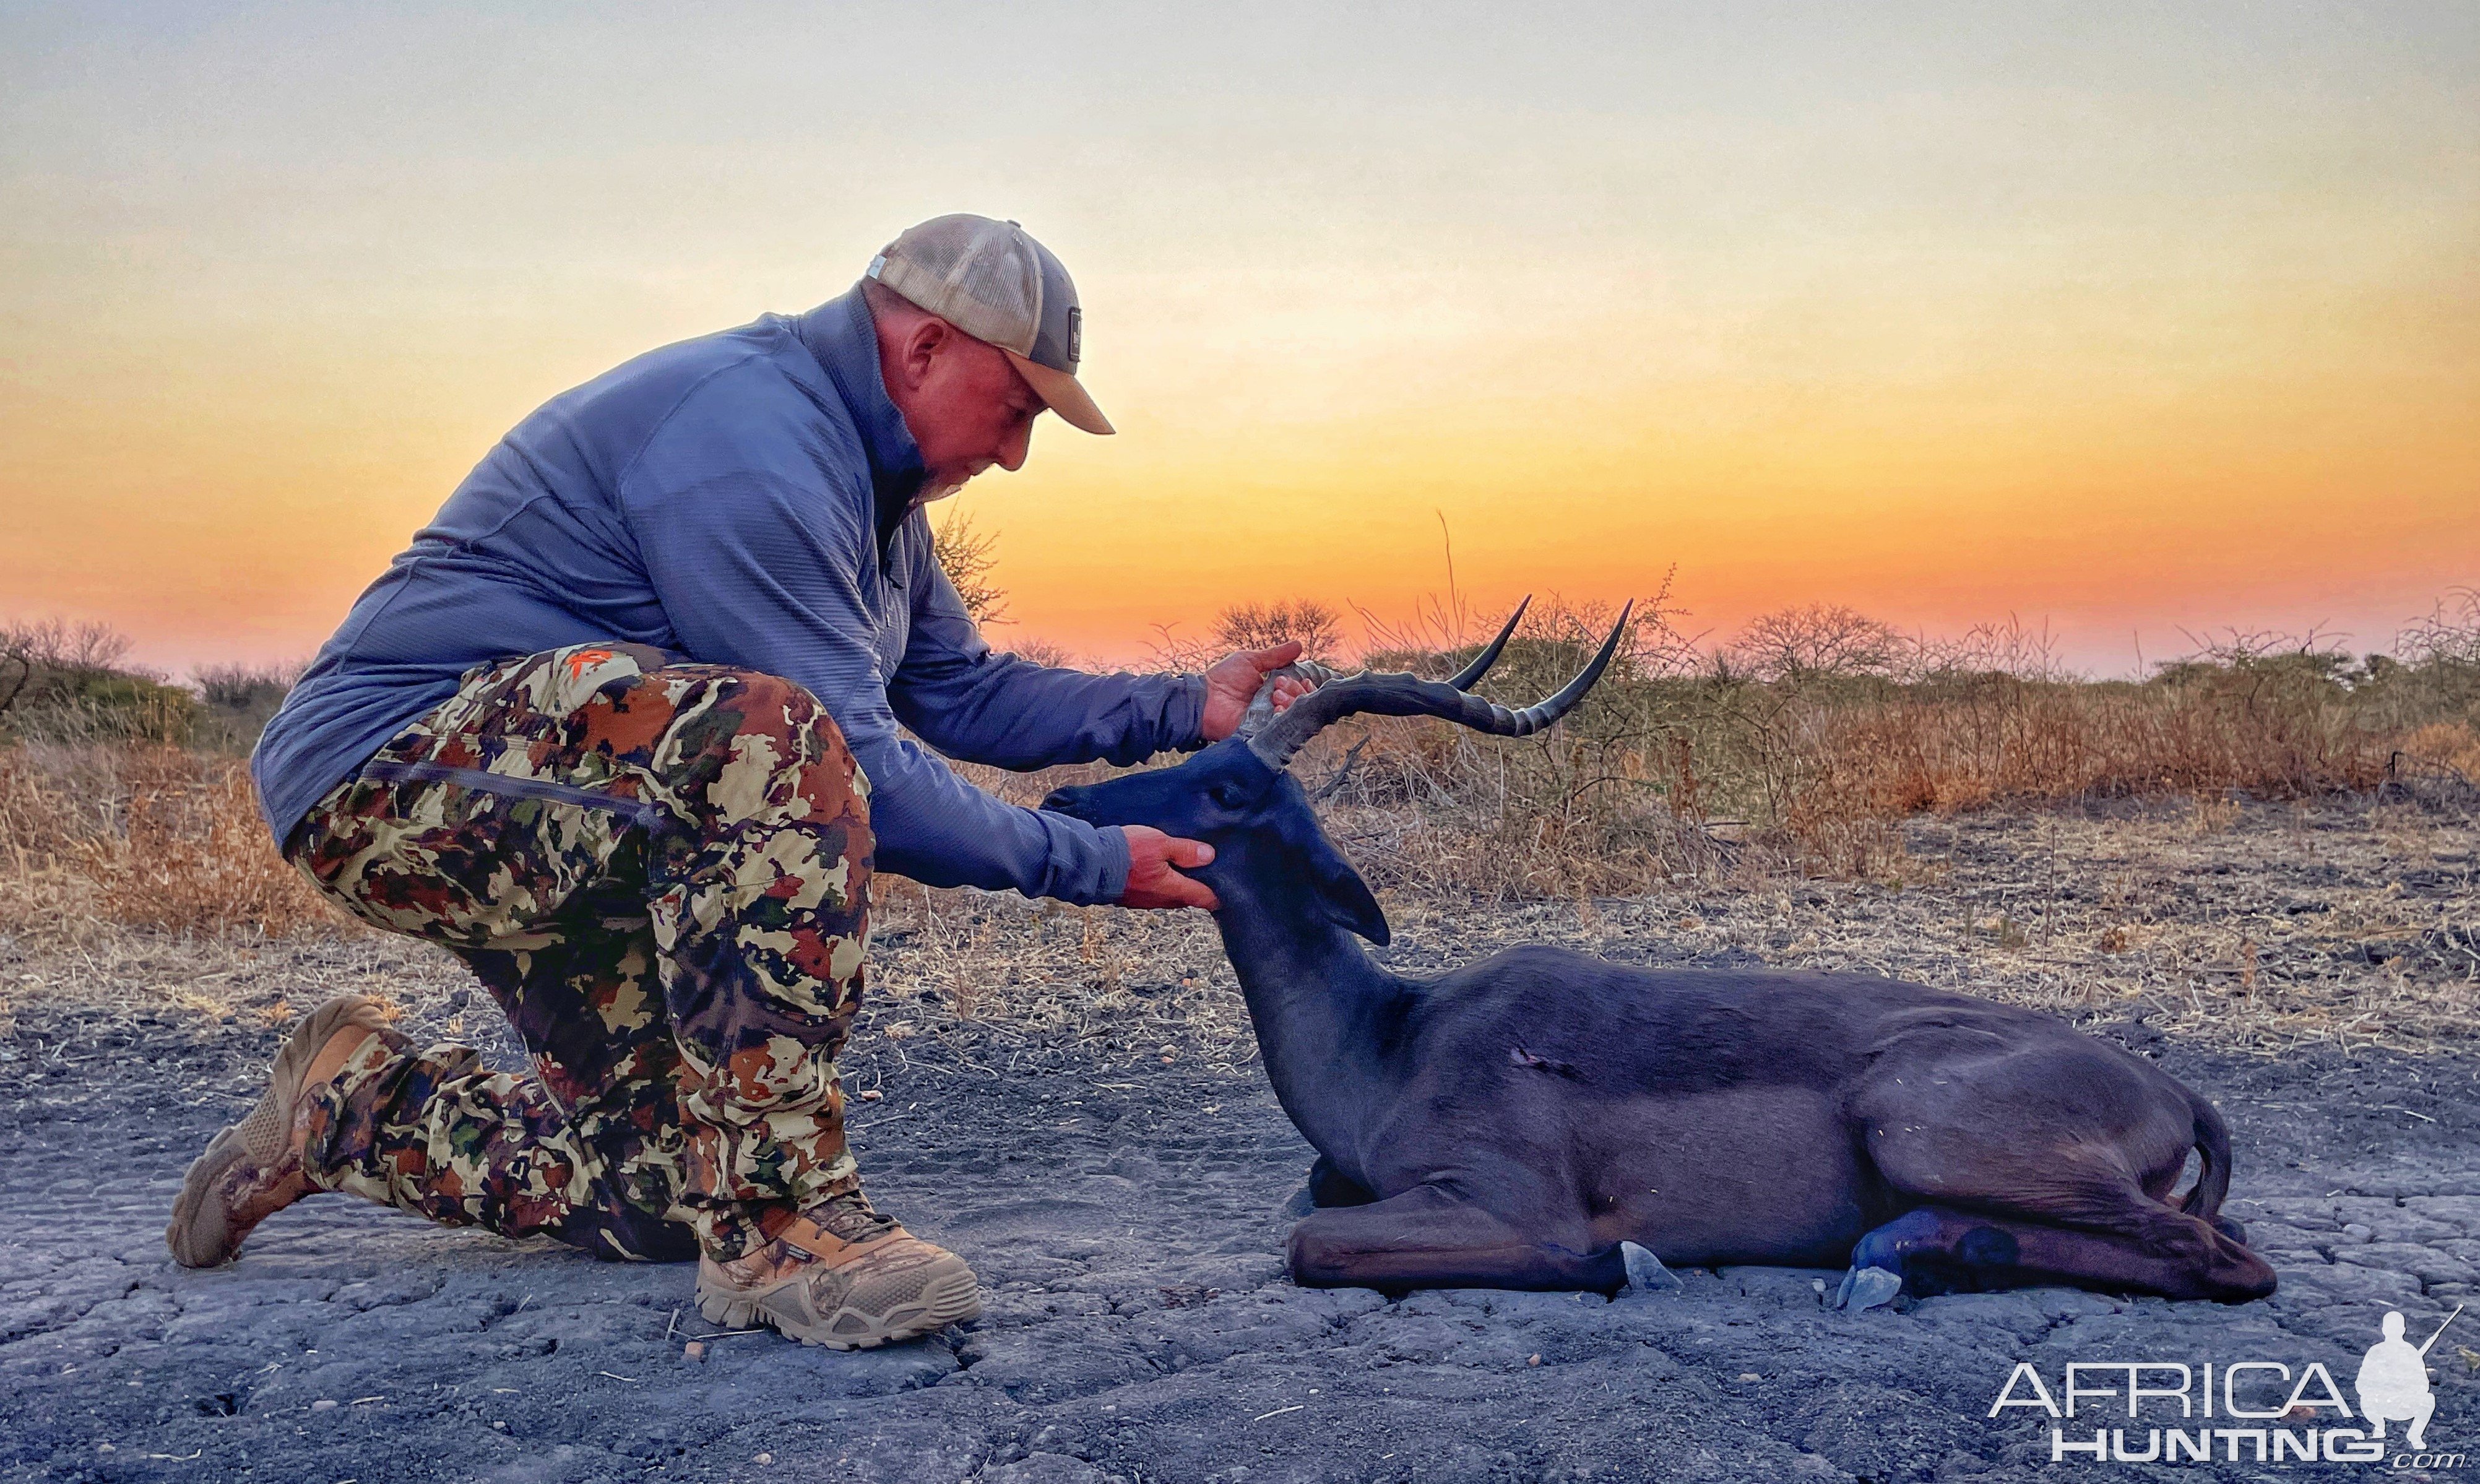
pixel 2126 318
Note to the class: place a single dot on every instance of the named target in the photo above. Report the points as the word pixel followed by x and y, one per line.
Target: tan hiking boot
pixel 843 1276
pixel 253 1170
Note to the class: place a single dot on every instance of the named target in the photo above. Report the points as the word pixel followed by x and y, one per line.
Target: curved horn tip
pixel 1611 645
pixel 1470 674
pixel 1547 712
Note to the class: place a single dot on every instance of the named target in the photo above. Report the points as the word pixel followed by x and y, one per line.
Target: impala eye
pixel 1230 795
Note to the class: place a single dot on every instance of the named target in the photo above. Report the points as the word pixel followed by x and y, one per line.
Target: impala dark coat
pixel 1513 1124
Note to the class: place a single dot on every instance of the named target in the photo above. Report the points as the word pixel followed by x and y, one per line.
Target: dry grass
pixel 2249 925
pixel 1777 805
pixel 1804 756
pixel 100 836
pixel 1659 779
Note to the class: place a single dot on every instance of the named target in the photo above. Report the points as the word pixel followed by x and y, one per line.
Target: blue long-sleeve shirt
pixel 722 500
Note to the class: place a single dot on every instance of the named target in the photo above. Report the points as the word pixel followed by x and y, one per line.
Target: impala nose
pixel 1061 801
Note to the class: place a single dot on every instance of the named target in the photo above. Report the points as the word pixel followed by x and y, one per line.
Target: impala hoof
pixel 1867 1288
pixel 1645 1271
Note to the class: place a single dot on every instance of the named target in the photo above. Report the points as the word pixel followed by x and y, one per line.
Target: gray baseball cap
pixel 993 281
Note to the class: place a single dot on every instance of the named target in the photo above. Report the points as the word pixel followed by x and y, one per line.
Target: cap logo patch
pixel 1075 333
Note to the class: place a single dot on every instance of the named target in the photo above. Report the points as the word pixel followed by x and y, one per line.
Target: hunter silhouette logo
pixel 2393 1381
pixel 2242 1407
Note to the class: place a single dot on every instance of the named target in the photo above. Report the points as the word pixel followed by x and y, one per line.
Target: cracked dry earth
pixel 1118 1177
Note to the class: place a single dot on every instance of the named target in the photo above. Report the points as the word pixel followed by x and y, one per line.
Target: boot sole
pixel 200 1234
pixel 948 1298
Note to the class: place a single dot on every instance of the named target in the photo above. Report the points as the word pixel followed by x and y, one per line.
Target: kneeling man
pixel 620 731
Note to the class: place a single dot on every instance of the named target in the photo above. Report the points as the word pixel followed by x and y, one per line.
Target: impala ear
pixel 1345 896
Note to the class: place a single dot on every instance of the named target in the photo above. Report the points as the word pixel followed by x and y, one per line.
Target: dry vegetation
pixel 1799 750
pixel 2263 842
pixel 2255 925
pixel 98 836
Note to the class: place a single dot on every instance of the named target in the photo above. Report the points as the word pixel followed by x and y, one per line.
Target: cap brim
pixel 1062 393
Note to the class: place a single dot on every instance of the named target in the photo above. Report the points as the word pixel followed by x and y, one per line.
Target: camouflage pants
pixel 661 872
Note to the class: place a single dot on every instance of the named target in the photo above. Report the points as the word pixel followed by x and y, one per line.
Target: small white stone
pixel 1645 1271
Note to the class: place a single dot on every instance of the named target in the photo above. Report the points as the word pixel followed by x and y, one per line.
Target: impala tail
pixel 2213 1148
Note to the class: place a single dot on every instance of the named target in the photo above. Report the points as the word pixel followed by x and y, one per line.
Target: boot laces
pixel 850 1218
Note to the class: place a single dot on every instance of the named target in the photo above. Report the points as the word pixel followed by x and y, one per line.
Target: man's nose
pixel 1016 445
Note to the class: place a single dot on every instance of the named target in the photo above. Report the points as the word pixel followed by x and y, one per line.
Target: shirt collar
pixel 840 334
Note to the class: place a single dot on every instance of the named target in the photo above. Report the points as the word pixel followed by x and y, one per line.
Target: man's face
pixel 964 404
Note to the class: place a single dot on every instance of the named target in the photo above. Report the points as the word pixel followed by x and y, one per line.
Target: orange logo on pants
pixel 579 662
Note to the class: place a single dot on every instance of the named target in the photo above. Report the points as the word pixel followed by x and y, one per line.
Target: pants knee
pixel 778 708
pixel 803 736
pixel 746 748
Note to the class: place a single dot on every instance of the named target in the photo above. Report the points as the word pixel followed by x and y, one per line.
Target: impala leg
pixel 1940 1250
pixel 1429 1237
pixel 2075 1217
pixel 1332 1186
pixel 2001 1139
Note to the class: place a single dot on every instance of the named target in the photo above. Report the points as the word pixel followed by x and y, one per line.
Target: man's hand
pixel 1233 681
pixel 1151 880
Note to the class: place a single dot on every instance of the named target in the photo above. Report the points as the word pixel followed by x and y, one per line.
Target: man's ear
pixel 922 346
pixel 1344 896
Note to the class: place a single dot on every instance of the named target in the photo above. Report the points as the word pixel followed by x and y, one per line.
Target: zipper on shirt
pixel 397 770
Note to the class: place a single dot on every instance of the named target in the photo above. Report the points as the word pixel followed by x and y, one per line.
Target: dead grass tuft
pixel 2447 747
pixel 154 837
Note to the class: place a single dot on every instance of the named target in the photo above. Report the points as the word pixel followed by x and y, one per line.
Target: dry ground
pixel 1071 1098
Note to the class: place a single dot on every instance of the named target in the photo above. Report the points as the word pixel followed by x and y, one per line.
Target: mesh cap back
pixel 993 281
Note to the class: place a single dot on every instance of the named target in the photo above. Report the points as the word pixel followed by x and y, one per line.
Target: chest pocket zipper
pixel 395 770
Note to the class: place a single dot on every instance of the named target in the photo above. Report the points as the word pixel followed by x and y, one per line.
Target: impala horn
pixel 1387 694
pixel 1261 706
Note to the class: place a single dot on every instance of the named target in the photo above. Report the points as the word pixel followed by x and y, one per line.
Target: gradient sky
pixel 2126 318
